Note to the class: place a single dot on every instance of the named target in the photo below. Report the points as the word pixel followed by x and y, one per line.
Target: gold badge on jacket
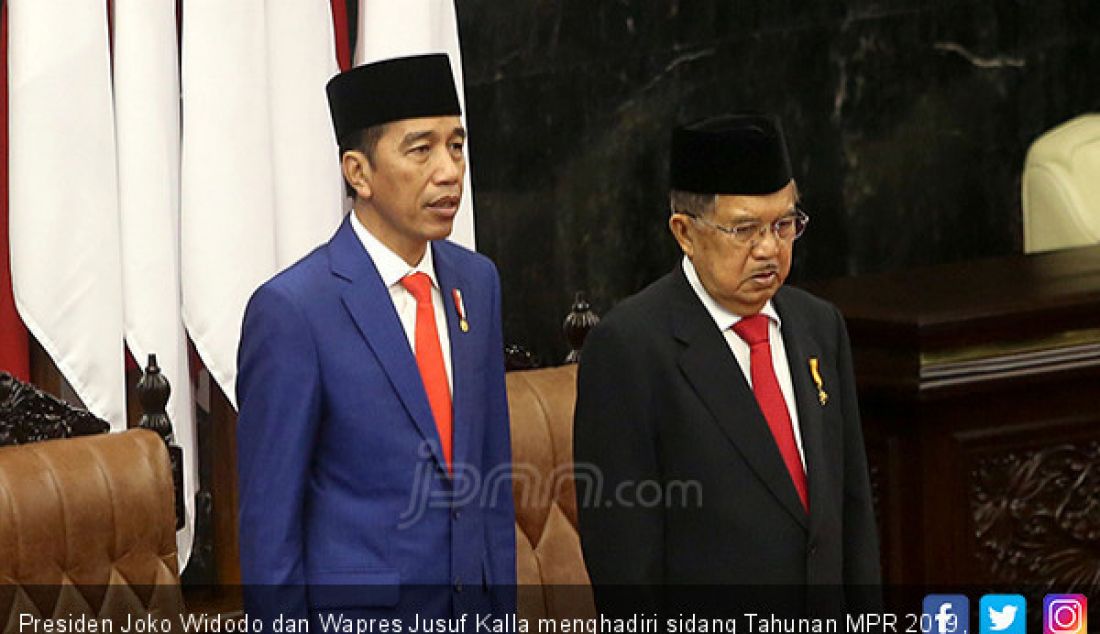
pixel 822 395
pixel 460 308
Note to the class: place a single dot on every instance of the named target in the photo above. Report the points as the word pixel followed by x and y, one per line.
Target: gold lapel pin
pixel 460 308
pixel 822 396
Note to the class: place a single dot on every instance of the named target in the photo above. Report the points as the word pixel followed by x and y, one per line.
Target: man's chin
pixel 440 230
pixel 753 302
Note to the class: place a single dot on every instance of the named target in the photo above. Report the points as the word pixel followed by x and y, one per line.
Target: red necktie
pixel 429 358
pixel 754 330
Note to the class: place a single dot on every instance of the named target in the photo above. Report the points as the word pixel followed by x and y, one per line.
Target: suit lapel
pixel 800 347
pixel 462 351
pixel 368 301
pixel 713 372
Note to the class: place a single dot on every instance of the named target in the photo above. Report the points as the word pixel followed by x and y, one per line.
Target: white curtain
pixel 64 223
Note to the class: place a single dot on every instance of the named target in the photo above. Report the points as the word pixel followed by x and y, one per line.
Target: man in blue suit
pixel 373 443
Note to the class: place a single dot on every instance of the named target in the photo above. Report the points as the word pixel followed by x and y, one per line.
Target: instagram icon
pixel 1065 614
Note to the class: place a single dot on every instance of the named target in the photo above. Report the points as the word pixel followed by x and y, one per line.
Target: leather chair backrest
pixel 1061 187
pixel 553 580
pixel 87 527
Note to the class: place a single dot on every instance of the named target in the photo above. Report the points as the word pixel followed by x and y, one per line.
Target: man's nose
pixel 767 244
pixel 448 168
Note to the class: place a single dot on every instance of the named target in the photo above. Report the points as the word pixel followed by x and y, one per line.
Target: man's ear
pixel 357 172
pixel 678 224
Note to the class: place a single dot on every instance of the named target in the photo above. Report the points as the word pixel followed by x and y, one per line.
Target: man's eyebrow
pixel 413 137
pixel 744 216
pixel 741 215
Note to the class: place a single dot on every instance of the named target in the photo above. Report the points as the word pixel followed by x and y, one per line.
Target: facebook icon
pixel 946 614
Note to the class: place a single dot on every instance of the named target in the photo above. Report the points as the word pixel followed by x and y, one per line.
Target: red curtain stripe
pixel 341 29
pixel 14 348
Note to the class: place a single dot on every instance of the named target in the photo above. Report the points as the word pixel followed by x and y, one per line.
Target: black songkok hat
pixel 391 90
pixel 742 154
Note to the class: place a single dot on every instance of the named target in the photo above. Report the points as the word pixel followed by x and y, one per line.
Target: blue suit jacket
pixel 344 495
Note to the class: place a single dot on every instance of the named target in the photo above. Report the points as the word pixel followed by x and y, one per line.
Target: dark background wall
pixel 908 124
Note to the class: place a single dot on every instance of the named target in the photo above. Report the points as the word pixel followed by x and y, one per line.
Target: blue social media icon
pixel 946 614
pixel 1002 614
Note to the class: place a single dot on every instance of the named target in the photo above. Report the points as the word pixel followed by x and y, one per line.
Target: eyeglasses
pixel 788 228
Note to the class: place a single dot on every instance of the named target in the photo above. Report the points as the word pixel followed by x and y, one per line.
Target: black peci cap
pixel 742 154
pixel 391 90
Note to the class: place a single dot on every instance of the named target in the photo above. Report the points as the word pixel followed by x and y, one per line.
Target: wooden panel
pixel 978 389
pixel 44 373
pixel 1033 503
pixel 968 303
pixel 224 487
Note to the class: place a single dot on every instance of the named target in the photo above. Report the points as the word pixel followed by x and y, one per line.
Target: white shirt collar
pixel 723 318
pixel 390 265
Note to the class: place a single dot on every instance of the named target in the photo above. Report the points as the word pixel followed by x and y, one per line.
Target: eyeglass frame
pixel 758 233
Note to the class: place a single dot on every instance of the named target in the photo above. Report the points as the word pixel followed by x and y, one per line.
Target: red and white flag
pixel 63 192
pixel 227 185
pixel 147 122
pixel 260 172
pixel 305 161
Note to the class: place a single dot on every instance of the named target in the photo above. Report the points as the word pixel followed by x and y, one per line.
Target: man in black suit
pixel 726 392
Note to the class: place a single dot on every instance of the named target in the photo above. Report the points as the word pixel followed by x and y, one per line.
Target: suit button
pixel 456 514
pixel 813 549
pixel 458 584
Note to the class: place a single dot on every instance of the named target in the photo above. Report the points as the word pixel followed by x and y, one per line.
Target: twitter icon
pixel 1003 614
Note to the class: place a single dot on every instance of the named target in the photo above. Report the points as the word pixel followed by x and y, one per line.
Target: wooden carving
pixel 1037 515
pixel 153 391
pixel 28 414
pixel 578 323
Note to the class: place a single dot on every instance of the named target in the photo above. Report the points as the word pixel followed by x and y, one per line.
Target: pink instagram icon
pixel 1065 614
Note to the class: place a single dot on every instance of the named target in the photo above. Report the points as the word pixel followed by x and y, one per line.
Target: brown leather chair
pixel 553 580
pixel 87 527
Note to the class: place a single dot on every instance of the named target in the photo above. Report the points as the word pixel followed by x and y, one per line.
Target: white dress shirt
pixel 725 321
pixel 392 269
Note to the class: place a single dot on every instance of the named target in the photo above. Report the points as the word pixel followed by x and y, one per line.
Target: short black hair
pixel 365 141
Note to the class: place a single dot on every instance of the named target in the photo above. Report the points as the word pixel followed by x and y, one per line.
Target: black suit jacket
pixel 662 399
